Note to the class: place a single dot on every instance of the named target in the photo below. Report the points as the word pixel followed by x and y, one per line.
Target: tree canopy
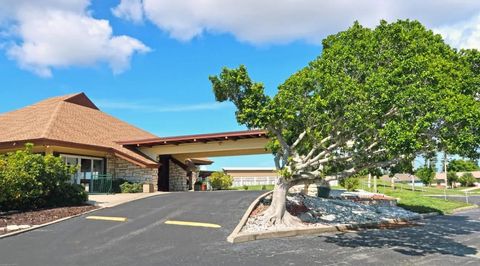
pixel 374 98
pixel 462 165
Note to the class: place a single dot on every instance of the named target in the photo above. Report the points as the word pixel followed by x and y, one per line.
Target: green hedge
pixel 128 187
pixel 220 180
pixel 31 181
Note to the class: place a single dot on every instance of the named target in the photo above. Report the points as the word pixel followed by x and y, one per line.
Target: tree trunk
pixel 277 213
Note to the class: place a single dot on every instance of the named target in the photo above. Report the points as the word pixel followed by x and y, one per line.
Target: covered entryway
pixel 180 156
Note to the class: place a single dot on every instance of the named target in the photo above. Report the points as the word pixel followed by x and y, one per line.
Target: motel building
pixel 75 129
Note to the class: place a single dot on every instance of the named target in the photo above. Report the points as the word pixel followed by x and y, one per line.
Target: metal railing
pixel 101 183
pixel 252 181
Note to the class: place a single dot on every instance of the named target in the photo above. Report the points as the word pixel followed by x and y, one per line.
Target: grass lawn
pixel 254 187
pixel 418 202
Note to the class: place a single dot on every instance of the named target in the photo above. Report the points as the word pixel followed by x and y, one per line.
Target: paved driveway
pixel 145 240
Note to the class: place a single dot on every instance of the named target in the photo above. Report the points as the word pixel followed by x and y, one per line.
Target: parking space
pixel 159 231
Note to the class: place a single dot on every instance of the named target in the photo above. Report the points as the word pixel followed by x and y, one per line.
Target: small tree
pixel 220 180
pixel 452 178
pixel 467 180
pixel 426 175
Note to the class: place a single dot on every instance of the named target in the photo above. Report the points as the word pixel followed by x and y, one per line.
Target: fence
pixel 101 184
pixel 426 191
pixel 252 181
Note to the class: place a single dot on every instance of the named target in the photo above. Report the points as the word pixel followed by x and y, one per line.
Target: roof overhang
pixel 18 144
pixel 199 138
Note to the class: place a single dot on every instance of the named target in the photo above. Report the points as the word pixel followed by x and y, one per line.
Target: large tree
pixel 374 98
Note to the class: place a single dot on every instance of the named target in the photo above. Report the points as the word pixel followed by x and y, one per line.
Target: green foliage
pixel 426 175
pixel 68 195
pixel 350 183
pixel 29 181
pixel 220 180
pixel 374 98
pixel 245 187
pixel 463 166
pixel 467 180
pixel 264 187
pixel 452 178
pixel 128 187
pixel 116 182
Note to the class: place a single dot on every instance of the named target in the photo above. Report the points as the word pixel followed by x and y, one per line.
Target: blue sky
pixel 147 62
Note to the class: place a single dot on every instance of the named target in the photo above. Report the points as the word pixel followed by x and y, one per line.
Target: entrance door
pixel 164 174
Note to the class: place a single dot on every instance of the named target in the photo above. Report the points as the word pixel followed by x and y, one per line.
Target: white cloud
pixel 465 34
pixel 59 34
pixel 281 21
pixel 131 10
pixel 142 107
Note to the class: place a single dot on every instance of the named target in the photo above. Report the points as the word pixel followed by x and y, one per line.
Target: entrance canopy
pixel 247 142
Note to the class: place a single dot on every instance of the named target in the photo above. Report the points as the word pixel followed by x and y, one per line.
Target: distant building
pixel 252 175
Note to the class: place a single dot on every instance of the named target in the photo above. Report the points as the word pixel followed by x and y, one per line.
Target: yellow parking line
pixel 107 218
pixel 185 223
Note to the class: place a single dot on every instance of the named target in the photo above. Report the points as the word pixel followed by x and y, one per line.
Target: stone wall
pixel 178 177
pixel 120 168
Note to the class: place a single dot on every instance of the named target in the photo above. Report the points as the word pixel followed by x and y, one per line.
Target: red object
pixel 204 187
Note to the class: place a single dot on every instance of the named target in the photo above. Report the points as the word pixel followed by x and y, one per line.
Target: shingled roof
pixel 71 120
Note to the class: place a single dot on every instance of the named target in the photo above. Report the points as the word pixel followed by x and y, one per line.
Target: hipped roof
pixel 71 120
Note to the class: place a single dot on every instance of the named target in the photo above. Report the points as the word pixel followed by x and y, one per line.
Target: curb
pixel 46 224
pixel 235 234
pixel 94 203
pixel 237 237
pixel 466 208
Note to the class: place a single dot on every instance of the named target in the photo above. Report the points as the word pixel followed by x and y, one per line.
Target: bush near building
pixel 467 180
pixel 32 181
pixel 128 187
pixel 220 180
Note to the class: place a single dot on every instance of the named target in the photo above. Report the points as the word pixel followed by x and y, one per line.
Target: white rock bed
pixel 327 212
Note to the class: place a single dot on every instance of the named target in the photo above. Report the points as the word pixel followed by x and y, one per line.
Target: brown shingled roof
pixel 71 120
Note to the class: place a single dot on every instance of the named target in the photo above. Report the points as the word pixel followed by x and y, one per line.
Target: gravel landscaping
pixel 12 221
pixel 318 212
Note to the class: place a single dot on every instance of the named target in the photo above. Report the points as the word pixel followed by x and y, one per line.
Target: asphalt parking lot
pixel 145 239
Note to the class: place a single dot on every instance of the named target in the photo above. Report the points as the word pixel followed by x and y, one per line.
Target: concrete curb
pixel 235 234
pixel 49 223
pixel 150 195
pixel 237 237
pixel 466 208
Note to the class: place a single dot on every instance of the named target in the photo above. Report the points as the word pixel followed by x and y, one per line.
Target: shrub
pixel 467 180
pixel 30 181
pixel 128 187
pixel 220 180
pixel 264 187
pixel 245 187
pixel 350 183
pixel 116 182
pixel 69 195
pixel 426 175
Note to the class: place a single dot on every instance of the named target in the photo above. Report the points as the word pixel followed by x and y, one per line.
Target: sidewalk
pixel 110 200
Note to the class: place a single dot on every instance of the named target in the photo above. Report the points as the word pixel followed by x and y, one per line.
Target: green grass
pixel 424 190
pixel 417 202
pixel 253 187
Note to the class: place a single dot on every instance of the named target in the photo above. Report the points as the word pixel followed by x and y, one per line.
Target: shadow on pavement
pixel 431 238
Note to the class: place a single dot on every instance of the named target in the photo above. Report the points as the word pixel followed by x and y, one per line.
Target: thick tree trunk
pixel 277 213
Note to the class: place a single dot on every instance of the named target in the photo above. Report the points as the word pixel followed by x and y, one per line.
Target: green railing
pixel 101 184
